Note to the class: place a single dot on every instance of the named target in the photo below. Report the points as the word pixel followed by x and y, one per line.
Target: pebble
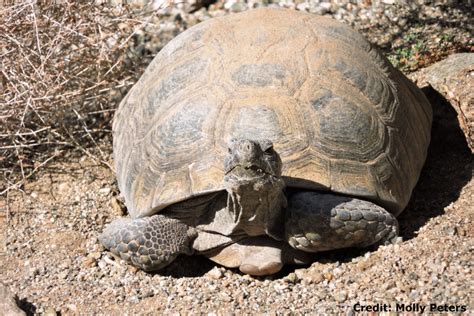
pixel 291 278
pixel 89 262
pixel 364 264
pixel 105 190
pixel 452 231
pixel 328 276
pixel 63 275
pixel 102 264
pixel 341 296
pixel 215 273
pixel 309 276
pixel 118 207
pixel 238 7
pixel 72 307
pixel 326 6
pixel 50 311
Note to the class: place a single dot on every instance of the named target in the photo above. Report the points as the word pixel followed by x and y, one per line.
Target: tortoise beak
pixel 246 157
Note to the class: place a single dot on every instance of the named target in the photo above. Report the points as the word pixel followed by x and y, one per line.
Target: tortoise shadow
pixel 26 306
pixel 187 267
pixel 448 168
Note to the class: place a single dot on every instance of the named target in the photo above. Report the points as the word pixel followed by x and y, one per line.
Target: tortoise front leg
pixel 149 243
pixel 325 221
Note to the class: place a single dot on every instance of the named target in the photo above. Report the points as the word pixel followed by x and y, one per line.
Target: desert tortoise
pixel 258 137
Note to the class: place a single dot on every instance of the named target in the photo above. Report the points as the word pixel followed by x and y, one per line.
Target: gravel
pixel 54 263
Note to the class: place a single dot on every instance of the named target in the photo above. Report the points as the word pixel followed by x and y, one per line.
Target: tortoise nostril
pixel 245 146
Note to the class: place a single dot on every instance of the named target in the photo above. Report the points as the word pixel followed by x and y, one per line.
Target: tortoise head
pixel 250 159
pixel 255 187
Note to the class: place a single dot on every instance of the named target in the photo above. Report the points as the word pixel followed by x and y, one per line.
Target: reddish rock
pixel 453 78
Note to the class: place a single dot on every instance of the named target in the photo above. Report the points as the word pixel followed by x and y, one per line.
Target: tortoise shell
pixel 340 116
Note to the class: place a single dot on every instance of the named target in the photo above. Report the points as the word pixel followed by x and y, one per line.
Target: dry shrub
pixel 64 68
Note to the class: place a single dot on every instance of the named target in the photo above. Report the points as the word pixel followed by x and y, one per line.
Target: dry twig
pixel 63 69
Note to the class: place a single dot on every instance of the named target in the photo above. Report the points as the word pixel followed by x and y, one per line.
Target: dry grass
pixel 64 68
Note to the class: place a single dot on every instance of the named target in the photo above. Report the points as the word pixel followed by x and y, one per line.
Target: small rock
pixel 280 287
pixel 132 269
pixel 49 311
pixel 319 10
pixel 302 6
pixel 238 7
pixel 452 231
pixel 96 255
pixel 118 207
pixel 309 276
pixel 387 286
pixel 316 277
pixel 397 240
pixel 300 273
pixel 364 265
pixel 291 278
pixel 341 296
pixel 328 276
pixel 104 191
pixel 326 6
pixel 413 295
pixel 64 274
pixel 102 264
pixel 215 273
pixel 147 293
pixel 89 262
pixel 72 307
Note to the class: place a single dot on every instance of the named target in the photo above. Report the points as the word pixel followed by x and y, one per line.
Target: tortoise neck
pixel 256 206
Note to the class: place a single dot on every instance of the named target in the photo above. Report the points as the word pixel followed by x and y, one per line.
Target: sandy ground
pixel 54 263
pixel 51 258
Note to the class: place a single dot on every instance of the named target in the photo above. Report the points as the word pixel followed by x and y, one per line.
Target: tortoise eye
pixel 269 149
pixel 266 146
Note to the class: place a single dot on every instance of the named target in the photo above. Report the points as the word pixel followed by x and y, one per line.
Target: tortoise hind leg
pixel 149 243
pixel 325 221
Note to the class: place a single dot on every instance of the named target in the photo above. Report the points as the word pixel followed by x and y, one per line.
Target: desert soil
pixel 54 264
